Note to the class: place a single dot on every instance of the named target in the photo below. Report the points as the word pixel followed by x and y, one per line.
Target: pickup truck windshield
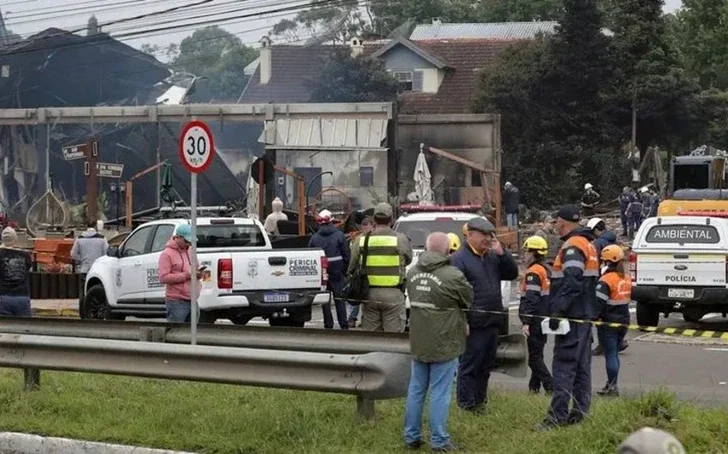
pixel 417 231
pixel 214 236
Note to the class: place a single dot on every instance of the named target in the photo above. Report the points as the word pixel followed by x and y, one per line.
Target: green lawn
pixel 228 419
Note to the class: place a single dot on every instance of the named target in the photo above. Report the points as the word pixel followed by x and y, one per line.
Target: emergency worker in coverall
pixel 573 295
pixel 534 305
pixel 389 253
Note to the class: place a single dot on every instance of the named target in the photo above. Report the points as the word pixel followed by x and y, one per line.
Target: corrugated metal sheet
pixel 496 30
pixel 493 30
pixel 341 133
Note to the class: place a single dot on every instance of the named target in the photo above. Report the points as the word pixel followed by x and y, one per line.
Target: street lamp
pixel 118 189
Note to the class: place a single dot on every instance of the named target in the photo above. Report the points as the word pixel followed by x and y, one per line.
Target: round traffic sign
pixel 196 146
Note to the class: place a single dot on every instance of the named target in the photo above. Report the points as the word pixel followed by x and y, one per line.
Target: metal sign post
pixel 196 150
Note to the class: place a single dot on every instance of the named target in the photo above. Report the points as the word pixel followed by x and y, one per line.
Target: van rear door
pixel 681 252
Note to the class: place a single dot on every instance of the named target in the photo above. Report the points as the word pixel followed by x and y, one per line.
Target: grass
pixel 228 419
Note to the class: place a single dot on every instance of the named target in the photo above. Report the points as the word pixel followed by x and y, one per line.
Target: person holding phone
pixel 175 265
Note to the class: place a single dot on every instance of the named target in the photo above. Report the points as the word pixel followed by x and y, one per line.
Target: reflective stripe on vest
pixel 590 267
pixel 620 289
pixel 383 262
pixel 543 274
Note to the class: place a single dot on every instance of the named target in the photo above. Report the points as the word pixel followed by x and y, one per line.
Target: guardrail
pixel 511 355
pixel 369 377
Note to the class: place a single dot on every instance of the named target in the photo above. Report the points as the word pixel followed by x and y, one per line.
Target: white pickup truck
pixel 417 226
pixel 245 277
pixel 680 264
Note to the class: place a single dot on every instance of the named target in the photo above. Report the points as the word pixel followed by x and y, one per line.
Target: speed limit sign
pixel 196 146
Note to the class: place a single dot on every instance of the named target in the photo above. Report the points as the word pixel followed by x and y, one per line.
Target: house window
pixel 366 176
pixel 405 79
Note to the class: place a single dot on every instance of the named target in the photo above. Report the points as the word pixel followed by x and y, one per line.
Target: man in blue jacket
pixel 335 246
pixel 485 264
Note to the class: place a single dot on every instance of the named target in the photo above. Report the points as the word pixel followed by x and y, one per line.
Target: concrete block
pixel 20 443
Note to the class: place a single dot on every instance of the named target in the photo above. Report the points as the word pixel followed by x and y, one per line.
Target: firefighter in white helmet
pixel 589 200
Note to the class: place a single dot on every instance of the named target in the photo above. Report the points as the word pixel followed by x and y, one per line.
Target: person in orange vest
pixel 535 289
pixel 573 296
pixel 613 296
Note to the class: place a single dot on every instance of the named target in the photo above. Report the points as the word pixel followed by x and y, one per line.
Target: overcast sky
pixel 26 17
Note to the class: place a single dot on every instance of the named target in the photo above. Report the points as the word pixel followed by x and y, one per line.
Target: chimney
pixel 436 21
pixel 266 60
pixel 357 46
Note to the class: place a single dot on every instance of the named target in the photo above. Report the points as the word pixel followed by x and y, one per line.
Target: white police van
pixel 680 264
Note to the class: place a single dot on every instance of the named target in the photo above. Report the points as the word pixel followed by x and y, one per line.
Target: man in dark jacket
pixel 654 204
pixel 511 200
pixel 625 199
pixel 439 295
pixel 590 200
pixel 573 296
pixel 333 242
pixel 485 264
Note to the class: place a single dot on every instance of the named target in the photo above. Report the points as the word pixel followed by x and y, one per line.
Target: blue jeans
pixel 512 219
pixel 15 306
pixel 178 311
pixel 612 337
pixel 438 379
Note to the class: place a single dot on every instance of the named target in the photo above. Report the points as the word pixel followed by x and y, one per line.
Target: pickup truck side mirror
pixel 113 251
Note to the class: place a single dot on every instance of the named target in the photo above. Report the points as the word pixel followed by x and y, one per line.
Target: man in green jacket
pixel 439 297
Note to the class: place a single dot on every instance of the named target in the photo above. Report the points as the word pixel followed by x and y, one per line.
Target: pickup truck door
pixel 150 262
pixel 133 280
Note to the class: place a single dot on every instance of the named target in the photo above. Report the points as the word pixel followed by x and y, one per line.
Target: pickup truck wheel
pixel 648 314
pixel 96 307
pixel 286 322
pixel 208 318
pixel 241 320
pixel 692 317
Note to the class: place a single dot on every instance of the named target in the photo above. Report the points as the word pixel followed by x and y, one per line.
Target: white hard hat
pixel 508 184
pixel 588 186
pixel 324 217
pixel 643 189
pixel 593 222
pixel 651 441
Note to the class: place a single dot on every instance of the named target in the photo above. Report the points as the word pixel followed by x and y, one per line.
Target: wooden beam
pixel 463 161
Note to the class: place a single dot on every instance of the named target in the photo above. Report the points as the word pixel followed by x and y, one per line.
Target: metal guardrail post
pixel 31 378
pixel 365 407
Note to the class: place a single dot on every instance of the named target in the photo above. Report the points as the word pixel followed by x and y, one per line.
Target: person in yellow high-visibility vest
pixel 389 253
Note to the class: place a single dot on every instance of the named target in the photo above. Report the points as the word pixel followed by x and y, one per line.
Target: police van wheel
pixel 692 317
pixel 240 319
pixel 96 307
pixel 648 314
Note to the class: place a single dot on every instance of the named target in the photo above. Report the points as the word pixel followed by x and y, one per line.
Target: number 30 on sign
pixel 196 146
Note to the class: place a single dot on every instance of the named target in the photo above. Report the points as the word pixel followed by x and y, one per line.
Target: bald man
pixel 439 297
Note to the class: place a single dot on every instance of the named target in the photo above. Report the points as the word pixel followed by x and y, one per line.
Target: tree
pixel 337 21
pixel 345 78
pixel 701 29
pixel 218 56
pixel 647 76
pixel 556 129
pixel 519 10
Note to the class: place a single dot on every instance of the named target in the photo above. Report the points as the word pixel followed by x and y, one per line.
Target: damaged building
pixel 57 68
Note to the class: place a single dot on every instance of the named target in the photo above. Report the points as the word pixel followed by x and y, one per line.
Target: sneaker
pixel 609 391
pixel 598 351
pixel 352 323
pixel 546 425
pixel 575 418
pixel 445 448
pixel 479 409
pixel 415 445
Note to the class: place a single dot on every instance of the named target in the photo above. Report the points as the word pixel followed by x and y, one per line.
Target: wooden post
pixel 301 184
pixel 261 191
pixel 129 203
pixel 92 180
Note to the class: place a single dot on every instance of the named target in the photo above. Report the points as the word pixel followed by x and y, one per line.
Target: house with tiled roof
pixel 438 70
